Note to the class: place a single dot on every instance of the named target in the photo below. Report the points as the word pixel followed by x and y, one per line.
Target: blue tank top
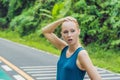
pixel 67 68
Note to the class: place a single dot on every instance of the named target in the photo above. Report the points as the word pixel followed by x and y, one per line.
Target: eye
pixel 72 30
pixel 65 32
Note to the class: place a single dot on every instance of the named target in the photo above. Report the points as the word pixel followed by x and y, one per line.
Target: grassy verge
pixel 109 59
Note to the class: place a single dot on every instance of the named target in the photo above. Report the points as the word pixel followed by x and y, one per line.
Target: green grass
pixel 108 59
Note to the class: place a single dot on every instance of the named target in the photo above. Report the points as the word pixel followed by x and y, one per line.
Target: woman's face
pixel 70 32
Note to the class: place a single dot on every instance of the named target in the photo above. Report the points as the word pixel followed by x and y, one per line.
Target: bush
pixel 3 23
pixel 99 22
pixel 99 19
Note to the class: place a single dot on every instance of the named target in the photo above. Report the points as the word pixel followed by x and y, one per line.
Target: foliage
pixel 12 8
pixel 99 19
pixel 3 13
pixel 27 22
pixel 99 22
pixel 2 22
pixel 60 9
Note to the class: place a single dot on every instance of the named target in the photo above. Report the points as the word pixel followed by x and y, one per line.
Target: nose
pixel 69 34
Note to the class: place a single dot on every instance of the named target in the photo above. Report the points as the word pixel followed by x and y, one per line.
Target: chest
pixel 68 62
pixel 68 54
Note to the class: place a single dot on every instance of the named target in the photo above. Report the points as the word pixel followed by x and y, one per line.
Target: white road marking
pixel 49 73
pixel 40 69
pixel 107 74
pixel 6 68
pixel 31 72
pixel 86 79
pixel 111 78
pixel 102 71
pixel 43 74
pixel 45 78
pixel 18 77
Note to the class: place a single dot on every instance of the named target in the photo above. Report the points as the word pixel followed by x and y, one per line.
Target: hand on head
pixel 69 18
pixel 72 19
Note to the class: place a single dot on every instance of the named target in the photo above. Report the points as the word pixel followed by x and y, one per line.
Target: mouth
pixel 69 40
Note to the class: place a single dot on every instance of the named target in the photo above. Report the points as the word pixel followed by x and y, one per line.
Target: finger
pixel 71 18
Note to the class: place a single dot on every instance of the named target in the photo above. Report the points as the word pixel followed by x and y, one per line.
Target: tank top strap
pixel 77 51
pixel 63 52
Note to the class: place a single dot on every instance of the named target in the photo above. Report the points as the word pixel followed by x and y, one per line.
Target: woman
pixel 74 61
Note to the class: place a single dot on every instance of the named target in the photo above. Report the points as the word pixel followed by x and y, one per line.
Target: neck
pixel 72 48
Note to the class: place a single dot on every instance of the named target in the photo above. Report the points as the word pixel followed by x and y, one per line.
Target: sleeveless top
pixel 67 68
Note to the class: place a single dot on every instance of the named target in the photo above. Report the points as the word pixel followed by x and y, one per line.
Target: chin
pixel 71 44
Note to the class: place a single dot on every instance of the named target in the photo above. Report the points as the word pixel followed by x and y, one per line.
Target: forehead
pixel 68 25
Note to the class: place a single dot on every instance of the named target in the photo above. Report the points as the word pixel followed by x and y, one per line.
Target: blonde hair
pixel 75 21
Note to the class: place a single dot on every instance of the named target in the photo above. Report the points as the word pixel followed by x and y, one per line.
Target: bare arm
pixel 48 32
pixel 88 66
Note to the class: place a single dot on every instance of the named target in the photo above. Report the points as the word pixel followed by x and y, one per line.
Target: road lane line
pixel 44 75
pixel 101 72
pixel 107 74
pixel 111 78
pixel 45 78
pixel 33 72
pixel 41 72
pixel 39 67
pixel 18 77
pixel 25 75
pixel 6 68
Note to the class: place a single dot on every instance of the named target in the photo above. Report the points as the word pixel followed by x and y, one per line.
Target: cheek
pixel 63 37
pixel 76 35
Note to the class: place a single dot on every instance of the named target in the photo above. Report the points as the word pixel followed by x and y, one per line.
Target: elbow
pixel 43 31
pixel 46 31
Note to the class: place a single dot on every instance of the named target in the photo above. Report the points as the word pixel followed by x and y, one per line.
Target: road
pixel 38 64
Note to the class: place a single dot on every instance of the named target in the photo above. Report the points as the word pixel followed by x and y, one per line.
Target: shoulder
pixel 83 57
pixel 82 53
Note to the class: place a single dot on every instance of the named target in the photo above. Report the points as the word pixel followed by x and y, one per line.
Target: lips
pixel 69 40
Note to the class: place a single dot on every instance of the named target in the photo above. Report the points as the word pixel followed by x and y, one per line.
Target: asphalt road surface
pixel 38 64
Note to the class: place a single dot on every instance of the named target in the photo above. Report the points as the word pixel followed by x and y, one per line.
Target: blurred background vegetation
pixel 99 20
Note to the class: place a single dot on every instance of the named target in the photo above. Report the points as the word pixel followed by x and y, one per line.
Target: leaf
pixel 55 10
pixel 115 42
pixel 60 9
pixel 92 32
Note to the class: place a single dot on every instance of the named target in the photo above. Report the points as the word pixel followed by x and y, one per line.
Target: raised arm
pixel 48 32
